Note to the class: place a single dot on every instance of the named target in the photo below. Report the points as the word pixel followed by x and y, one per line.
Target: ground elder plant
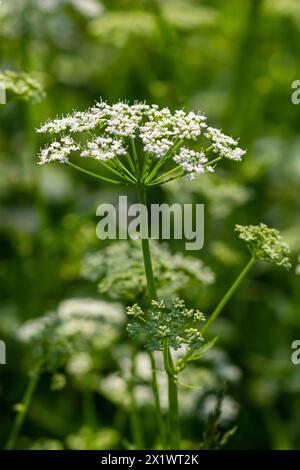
pixel 145 146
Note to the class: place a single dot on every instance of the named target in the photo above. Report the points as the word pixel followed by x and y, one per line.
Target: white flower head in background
pixel 77 326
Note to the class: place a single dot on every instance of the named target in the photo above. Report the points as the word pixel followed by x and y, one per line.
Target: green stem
pixel 155 391
pixel 135 157
pixel 228 295
pixel 20 417
pixel 123 168
pixel 146 165
pixel 90 173
pixel 131 165
pixel 113 166
pixel 168 173
pixel 174 425
pixel 215 160
pixel 134 415
pixel 172 386
pixel 153 295
pixel 161 161
pixel 173 178
pixel 146 251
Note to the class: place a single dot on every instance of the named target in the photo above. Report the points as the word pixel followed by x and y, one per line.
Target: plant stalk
pixel 228 295
pixel 136 427
pixel 20 417
pixel 173 398
pixel 172 386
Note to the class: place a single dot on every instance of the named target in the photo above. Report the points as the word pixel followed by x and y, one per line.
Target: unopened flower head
pixel 174 322
pixel 265 244
pixel 113 132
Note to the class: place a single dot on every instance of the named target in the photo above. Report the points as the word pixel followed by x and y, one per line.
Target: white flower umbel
pixel 192 163
pixel 58 150
pixel 104 148
pixel 134 142
pixel 224 145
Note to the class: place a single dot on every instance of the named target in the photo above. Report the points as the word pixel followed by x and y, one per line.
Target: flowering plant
pixel 144 146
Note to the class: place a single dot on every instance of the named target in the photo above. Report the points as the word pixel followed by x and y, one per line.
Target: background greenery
pixel 233 59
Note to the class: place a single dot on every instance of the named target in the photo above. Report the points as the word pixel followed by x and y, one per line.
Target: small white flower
pixel 163 129
pixel 224 145
pixel 124 119
pixel 104 148
pixel 191 162
pixel 58 150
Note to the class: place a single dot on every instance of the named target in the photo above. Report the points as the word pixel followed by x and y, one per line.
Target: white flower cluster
pixel 77 326
pixel 124 120
pixel 35 328
pixel 84 317
pixel 74 316
pixel 164 129
pixel 104 148
pixel 224 145
pixel 192 163
pixel 160 132
pixel 58 150
pixel 77 122
pixel 90 309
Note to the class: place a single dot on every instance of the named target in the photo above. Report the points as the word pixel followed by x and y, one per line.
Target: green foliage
pixel 214 437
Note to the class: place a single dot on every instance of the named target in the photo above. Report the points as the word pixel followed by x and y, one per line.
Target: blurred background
pixel 235 60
